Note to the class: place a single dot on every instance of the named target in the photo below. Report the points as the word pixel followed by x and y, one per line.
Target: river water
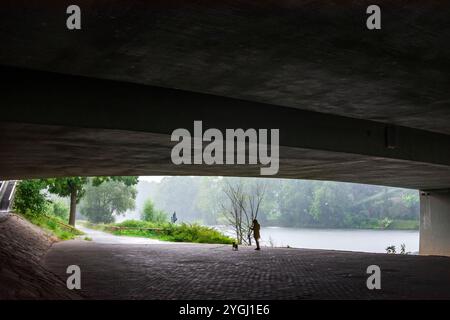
pixel 333 239
pixel 339 239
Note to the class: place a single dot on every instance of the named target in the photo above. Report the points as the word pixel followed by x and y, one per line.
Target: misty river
pixel 338 239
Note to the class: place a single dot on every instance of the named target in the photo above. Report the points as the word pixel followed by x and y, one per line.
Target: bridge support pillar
pixel 435 222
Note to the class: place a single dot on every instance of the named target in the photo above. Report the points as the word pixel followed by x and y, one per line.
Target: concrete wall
pixel 435 222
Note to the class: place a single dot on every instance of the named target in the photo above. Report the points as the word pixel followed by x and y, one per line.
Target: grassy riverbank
pixel 367 224
pixel 165 231
pixel 54 225
pixel 404 225
pixel 388 224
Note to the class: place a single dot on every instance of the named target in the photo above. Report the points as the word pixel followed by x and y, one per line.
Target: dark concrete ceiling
pixel 36 151
pixel 312 55
pixel 60 125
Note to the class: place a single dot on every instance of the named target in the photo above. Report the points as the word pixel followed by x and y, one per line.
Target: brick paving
pixel 33 266
pixel 22 276
pixel 197 271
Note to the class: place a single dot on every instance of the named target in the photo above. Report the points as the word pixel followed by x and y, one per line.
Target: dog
pixel 235 246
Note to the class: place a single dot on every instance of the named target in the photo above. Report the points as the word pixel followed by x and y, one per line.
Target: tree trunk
pixel 238 237
pixel 73 207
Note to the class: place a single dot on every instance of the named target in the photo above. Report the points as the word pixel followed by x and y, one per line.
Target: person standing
pixel 174 217
pixel 256 233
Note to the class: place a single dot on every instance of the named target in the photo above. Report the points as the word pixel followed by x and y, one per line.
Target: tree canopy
pixel 103 202
pixel 151 214
pixel 289 202
pixel 29 198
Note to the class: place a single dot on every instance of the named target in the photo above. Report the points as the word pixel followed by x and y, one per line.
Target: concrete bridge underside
pixel 351 104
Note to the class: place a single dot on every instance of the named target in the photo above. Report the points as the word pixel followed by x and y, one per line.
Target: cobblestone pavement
pixel 22 276
pixel 194 271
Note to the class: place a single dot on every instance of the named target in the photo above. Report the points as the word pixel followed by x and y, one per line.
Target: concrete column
pixel 435 222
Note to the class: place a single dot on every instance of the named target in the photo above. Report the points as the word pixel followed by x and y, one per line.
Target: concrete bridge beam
pixel 435 222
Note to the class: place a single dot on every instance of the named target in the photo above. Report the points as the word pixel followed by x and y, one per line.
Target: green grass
pixel 404 225
pixel 395 224
pixel 387 224
pixel 54 225
pixel 168 232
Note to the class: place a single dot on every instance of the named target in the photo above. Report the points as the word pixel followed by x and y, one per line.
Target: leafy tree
pixel 110 198
pixel 68 187
pixel 330 203
pixel 208 201
pixel 60 209
pixel 179 194
pixel 29 198
pixel 151 214
pixel 412 203
pixel 74 188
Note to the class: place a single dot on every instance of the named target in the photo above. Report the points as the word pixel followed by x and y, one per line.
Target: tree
pixel 329 206
pixel 68 187
pixel 243 206
pixel 29 198
pixel 75 189
pixel 251 209
pixel 232 208
pixel 178 194
pixel 101 203
pixel 60 209
pixel 209 197
pixel 150 214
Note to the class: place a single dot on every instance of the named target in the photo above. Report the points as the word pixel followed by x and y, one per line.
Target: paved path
pixel 194 271
pixel 104 237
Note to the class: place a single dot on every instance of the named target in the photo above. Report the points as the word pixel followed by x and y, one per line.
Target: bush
pixel 169 232
pixel 29 199
pixel 136 224
pixel 195 233
pixel 386 222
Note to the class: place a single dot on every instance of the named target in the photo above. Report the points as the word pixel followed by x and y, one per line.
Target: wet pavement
pixel 104 237
pixel 200 271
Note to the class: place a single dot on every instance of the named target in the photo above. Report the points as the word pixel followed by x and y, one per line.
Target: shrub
pixel 391 250
pixel 386 222
pixel 29 199
pixel 195 233
pixel 171 232
pixel 136 224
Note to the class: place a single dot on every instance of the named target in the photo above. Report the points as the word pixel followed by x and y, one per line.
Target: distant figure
pixel 174 217
pixel 256 228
